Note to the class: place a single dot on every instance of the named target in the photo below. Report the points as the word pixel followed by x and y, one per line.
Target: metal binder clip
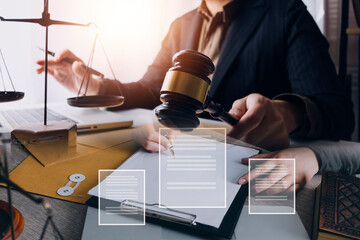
pixel 163 213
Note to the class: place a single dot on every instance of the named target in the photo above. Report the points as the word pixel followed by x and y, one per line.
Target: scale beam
pixel 45 22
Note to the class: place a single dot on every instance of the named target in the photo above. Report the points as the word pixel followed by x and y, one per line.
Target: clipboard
pixel 221 225
pixel 188 223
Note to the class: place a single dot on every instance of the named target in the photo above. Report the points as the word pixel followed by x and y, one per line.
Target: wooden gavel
pixel 184 93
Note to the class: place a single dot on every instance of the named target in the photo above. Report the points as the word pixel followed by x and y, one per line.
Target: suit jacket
pixel 340 156
pixel 272 47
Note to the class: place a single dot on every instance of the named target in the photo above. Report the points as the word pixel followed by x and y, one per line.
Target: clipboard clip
pixel 162 212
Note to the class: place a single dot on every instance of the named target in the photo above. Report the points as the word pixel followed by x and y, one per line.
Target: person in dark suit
pixel 273 71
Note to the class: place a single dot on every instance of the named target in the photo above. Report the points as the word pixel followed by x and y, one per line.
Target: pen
pixel 171 146
pixel 70 61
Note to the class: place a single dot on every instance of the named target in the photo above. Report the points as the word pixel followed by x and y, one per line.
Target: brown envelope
pixel 106 150
pixel 105 139
pixel 51 153
pixel 35 178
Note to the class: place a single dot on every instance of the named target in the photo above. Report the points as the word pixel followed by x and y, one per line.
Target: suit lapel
pixel 250 15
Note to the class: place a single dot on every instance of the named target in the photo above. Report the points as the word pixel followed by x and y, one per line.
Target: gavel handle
pixel 217 111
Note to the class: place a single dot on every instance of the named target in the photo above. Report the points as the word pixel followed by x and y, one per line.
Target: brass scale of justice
pixel 37 130
pixel 78 101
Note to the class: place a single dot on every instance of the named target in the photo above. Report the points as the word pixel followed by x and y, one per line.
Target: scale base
pixel 47 141
pixel 5 233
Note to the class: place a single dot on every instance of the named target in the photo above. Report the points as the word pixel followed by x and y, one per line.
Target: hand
pixel 70 75
pixel 306 166
pixel 148 138
pixel 263 122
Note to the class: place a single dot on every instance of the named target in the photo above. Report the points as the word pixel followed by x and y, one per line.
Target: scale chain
pixel 87 67
pixel 108 62
pixel 7 70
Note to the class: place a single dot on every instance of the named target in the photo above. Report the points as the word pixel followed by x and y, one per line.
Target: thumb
pixel 238 108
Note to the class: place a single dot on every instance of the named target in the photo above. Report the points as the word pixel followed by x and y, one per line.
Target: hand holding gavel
pixel 255 118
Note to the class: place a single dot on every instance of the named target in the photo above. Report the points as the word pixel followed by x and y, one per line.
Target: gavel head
pixel 184 90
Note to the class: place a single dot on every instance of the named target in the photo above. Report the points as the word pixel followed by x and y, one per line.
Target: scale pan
pixel 96 101
pixel 18 220
pixel 8 96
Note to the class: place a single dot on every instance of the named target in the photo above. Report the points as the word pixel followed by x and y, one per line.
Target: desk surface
pixel 70 217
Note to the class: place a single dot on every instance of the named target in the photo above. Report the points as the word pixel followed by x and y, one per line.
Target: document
pixel 120 185
pixel 194 176
pixel 149 162
pixel 272 184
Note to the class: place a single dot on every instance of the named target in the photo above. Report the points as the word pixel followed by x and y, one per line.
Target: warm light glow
pixel 130 21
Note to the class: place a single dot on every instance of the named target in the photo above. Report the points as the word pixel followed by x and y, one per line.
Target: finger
pixel 282 185
pixel 244 179
pixel 263 155
pixel 247 177
pixel 42 62
pixel 266 174
pixel 173 134
pixel 53 64
pixel 66 54
pixel 138 136
pixel 150 134
pixel 153 146
pixel 238 108
pixel 250 120
pixel 42 69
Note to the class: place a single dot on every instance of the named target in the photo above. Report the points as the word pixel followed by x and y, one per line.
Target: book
pixel 337 207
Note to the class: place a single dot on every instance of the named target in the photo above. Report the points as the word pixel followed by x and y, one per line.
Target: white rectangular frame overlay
pixel 277 213
pixel 224 206
pixel 121 224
